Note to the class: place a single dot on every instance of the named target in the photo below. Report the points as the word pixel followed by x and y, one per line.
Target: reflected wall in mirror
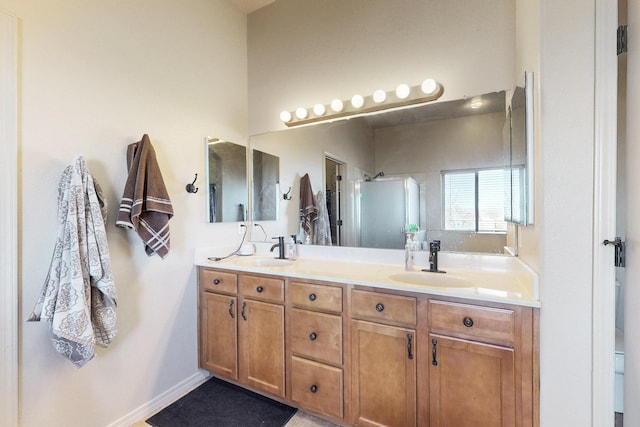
pixel 226 181
pixel 265 189
pixel 426 144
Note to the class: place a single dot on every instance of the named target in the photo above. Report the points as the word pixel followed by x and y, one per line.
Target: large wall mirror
pixel 452 151
pixel 226 167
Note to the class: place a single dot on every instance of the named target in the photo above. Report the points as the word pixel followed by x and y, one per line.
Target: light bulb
pixel 337 105
pixel 319 109
pixel 357 101
pixel 379 96
pixel 429 87
pixel 285 116
pixel 301 113
pixel 402 91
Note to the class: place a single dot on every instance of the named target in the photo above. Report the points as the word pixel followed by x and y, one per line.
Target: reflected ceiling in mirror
pixel 418 143
pixel 226 166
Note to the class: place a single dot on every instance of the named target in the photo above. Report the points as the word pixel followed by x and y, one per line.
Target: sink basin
pixel 424 278
pixel 264 262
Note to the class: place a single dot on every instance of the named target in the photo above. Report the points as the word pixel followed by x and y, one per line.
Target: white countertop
pixel 475 276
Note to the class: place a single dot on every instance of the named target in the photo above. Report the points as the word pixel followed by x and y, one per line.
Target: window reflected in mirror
pixel 226 181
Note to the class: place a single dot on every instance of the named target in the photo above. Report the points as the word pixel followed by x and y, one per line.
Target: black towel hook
pixel 286 195
pixel 191 188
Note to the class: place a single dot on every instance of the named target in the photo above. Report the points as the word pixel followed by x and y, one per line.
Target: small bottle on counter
pixel 292 248
pixel 408 253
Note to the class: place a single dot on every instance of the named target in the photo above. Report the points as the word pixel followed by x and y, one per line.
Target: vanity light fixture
pixel 319 109
pixel 379 96
pixel 402 96
pixel 301 113
pixel 337 105
pixel 357 101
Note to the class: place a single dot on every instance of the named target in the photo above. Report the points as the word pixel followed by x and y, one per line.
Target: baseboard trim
pixel 162 400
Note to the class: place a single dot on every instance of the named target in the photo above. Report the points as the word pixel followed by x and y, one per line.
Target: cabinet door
pixel 262 346
pixel 470 384
pixel 383 375
pixel 218 334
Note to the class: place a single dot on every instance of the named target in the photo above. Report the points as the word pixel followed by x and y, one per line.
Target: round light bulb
pixel 429 87
pixel 285 116
pixel 319 109
pixel 357 101
pixel 402 91
pixel 379 96
pixel 301 113
pixel 337 105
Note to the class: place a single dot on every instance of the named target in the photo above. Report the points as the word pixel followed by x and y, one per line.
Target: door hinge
pixel 622 40
pixel 338 177
pixel 620 251
pixel 339 223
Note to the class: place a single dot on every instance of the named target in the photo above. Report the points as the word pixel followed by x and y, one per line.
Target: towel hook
pixel 286 195
pixel 191 188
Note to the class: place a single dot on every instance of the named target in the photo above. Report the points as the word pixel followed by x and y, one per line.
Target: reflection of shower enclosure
pixel 387 207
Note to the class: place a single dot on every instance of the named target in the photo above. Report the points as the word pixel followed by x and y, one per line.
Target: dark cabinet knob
pixel 468 322
pixel 313 388
pixel 259 289
pixel 216 281
pixel 312 297
pixel 313 336
pixel 379 308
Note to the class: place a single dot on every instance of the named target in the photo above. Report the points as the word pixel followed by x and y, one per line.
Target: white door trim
pixel 604 210
pixel 9 221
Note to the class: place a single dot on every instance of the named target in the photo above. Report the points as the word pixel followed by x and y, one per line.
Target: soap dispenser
pixel 292 248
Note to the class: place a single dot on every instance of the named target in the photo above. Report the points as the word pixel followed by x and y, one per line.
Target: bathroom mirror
pixel 226 167
pixel 423 143
pixel 265 189
pixel 520 149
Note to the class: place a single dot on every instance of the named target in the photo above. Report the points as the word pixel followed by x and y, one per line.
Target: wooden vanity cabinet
pixel 383 359
pixel 480 366
pixel 316 348
pixel 242 329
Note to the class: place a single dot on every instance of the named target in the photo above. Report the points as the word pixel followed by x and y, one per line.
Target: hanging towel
pixel 79 294
pixel 322 234
pixel 308 205
pixel 145 205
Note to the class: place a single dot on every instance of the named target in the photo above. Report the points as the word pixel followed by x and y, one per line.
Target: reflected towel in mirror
pixel 308 205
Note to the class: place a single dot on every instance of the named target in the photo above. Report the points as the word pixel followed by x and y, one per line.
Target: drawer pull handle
pixel 244 306
pixel 313 336
pixel 434 352
pixel 379 307
pixel 409 340
pixel 468 322
pixel 231 310
pixel 216 281
pixel 313 388
pixel 312 297
pixel 259 289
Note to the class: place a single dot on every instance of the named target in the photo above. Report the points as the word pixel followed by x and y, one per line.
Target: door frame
pixel 9 224
pixel 604 211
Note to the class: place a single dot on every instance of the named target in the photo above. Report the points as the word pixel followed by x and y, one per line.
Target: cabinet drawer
pixel 317 386
pixel 218 281
pixel 316 335
pixel 262 288
pixel 492 325
pixel 318 297
pixel 383 307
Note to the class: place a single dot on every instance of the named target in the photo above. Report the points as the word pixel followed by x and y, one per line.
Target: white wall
pixel 94 77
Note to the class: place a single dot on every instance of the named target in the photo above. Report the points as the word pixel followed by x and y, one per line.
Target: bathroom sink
pixel 424 278
pixel 263 262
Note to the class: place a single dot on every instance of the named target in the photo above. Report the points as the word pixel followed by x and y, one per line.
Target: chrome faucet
pixel 280 246
pixel 434 248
